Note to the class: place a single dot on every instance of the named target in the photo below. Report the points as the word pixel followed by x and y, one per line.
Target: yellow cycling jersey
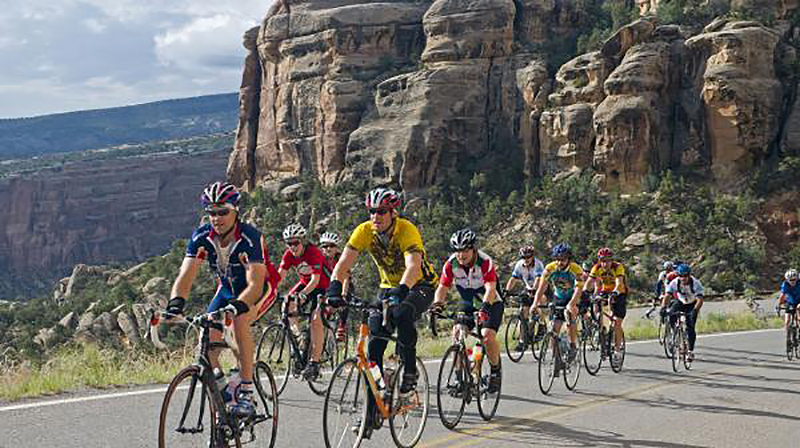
pixel 565 280
pixel 389 256
pixel 608 277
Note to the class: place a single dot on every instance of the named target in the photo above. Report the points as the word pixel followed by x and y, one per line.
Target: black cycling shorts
pixel 495 315
pixel 619 306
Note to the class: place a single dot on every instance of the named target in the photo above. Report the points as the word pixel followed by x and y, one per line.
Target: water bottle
pixel 477 353
pixel 375 370
pixel 232 389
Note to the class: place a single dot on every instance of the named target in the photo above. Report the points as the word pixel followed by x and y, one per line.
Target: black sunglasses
pixel 220 212
pixel 293 243
pixel 378 211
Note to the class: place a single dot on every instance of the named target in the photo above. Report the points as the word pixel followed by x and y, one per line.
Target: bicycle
pixel 680 344
pixel 532 330
pixel 664 331
pixel 210 421
pixel 464 376
pixel 552 356
pixel 600 344
pixel 348 393
pixel 792 336
pixel 279 345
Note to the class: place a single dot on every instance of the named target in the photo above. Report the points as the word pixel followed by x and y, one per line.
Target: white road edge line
pixel 162 388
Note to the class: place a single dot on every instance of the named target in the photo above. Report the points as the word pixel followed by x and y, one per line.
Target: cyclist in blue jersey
pixel 790 294
pixel 235 252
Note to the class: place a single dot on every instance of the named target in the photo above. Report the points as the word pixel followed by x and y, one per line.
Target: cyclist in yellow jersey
pixel 608 276
pixel 565 277
pixel 407 280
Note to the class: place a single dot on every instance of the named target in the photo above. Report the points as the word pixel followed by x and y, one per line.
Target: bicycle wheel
pixel 328 361
pixel 668 330
pixel 538 329
pixel 678 350
pixel 796 342
pixel 263 427
pixel 593 350
pixel 617 358
pixel 789 343
pixel 547 364
pixel 661 331
pixel 512 339
pixel 487 403
pixel 274 348
pixel 345 407
pixel 452 386
pixel 572 371
pixel 188 416
pixel 410 412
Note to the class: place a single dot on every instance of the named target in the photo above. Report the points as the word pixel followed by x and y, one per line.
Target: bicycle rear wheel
pixel 512 339
pixel 487 403
pixel 263 427
pixel 188 416
pixel 593 350
pixel 328 361
pixel 678 350
pixel 410 412
pixel 274 348
pixel 617 358
pixel 547 364
pixel 345 410
pixel 452 386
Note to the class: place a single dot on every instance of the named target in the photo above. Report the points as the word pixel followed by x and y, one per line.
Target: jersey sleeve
pixel 195 243
pixel 620 271
pixel 595 272
pixel 489 274
pixel 515 273
pixel 361 238
pixel 538 268
pixel 785 288
pixel 578 272
pixel 698 287
pixel 412 240
pixel 254 250
pixel 447 275
pixel 287 261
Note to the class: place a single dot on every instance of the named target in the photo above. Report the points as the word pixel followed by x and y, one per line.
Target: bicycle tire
pixel 268 395
pixel 400 411
pixel 789 342
pixel 275 348
pixel 460 387
pixel 617 366
pixel 198 436
pixel 572 371
pixel 536 327
pixel 592 348
pixel 487 404
pixel 547 365
pixel 328 361
pixel 345 403
pixel 512 339
pixel 678 350
pixel 668 336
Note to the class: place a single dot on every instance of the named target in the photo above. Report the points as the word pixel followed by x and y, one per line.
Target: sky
pixel 67 55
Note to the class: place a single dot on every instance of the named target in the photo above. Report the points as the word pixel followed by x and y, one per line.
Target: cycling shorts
pixel 495 315
pixel 619 306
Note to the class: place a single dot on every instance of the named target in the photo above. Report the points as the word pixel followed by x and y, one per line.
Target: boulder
pixel 69 321
pixel 85 322
pixel 640 239
pixel 105 326
pixel 141 312
pixel 158 285
pixel 626 37
pixel 44 337
pixel 129 327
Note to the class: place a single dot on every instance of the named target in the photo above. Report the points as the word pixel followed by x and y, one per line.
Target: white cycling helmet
pixel 668 266
pixel 463 239
pixel 294 231
pixel 329 238
pixel 791 274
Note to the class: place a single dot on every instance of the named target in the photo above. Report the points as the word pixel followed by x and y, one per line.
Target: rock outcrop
pixel 118 210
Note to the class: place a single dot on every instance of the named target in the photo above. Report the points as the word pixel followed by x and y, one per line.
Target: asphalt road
pixel 742 392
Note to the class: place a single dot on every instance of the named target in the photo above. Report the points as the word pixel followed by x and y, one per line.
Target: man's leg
pixel 620 310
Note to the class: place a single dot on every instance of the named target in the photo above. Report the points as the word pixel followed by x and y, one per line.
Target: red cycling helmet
pixel 605 253
pixel 383 198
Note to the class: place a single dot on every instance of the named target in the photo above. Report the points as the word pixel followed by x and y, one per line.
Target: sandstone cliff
pixel 111 211
pixel 420 93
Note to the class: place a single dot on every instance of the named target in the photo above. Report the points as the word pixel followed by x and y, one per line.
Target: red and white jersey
pixel 469 277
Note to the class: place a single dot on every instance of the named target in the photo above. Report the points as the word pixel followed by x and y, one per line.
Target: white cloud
pixel 102 53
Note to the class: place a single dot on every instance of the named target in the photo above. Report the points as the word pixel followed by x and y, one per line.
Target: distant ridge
pixel 101 128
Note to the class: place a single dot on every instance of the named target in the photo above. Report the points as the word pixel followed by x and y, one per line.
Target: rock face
pixel 120 210
pixel 419 93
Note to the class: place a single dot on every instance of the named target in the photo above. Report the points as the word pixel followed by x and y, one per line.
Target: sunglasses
pixel 327 247
pixel 220 212
pixel 378 211
pixel 293 243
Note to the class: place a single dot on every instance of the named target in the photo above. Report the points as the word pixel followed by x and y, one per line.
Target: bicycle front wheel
pixel 617 354
pixel 678 350
pixel 345 410
pixel 188 417
pixel 547 364
pixel 409 413
pixel 668 333
pixel 537 328
pixel 274 348
pixel 790 343
pixel 452 386
pixel 487 402
pixel 592 351
pixel 264 425
pixel 572 370
pixel 328 361
pixel 514 340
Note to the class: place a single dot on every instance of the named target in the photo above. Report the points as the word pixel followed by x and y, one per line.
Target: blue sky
pixel 65 55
